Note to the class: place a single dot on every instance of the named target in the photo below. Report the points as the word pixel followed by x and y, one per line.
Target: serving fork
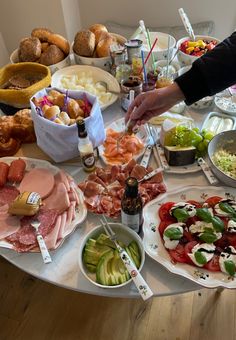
pixel 142 286
pixel 42 245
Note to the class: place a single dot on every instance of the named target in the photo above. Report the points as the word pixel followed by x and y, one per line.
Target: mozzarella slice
pixel 184 205
pixel 206 249
pixel 172 244
pixel 226 256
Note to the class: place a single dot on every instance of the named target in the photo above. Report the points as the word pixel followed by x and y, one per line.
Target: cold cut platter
pixel 206 275
pixel 61 208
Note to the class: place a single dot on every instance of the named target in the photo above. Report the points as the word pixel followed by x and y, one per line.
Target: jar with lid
pixel 85 147
pixel 132 83
pixel 132 206
pixel 118 57
pixel 133 48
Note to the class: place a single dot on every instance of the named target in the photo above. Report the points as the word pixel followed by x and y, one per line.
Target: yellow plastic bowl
pixel 21 98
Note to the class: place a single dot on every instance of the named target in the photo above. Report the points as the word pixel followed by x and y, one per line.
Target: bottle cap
pixel 131 188
pixel 81 128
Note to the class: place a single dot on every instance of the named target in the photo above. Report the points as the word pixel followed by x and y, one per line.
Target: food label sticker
pixel 131 221
pixel 33 198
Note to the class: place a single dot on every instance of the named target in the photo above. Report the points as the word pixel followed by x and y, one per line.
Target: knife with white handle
pixel 146 156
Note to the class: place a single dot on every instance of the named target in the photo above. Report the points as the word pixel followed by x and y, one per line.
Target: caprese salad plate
pixel 187 232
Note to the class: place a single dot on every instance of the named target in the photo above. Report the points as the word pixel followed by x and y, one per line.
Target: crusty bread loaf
pixel 29 49
pixel 52 55
pixel 84 43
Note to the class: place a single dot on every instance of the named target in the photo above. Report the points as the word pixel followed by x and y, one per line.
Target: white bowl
pixel 53 68
pixel 125 235
pixel 187 59
pixel 95 73
pixel 104 62
pixel 227 141
pixel 161 48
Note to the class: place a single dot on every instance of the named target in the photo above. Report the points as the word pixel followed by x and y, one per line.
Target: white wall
pixel 160 12
pixel 18 18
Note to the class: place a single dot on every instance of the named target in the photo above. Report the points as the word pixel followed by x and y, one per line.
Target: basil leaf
pixel 181 214
pixel 204 214
pixel 173 233
pixel 208 237
pixel 230 267
pixel 200 258
pixel 227 208
pixel 218 224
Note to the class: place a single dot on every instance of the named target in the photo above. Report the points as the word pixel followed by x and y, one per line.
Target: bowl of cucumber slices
pixel 99 259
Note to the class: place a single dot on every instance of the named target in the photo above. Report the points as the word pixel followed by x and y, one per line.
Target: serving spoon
pixel 104 84
pixel 187 24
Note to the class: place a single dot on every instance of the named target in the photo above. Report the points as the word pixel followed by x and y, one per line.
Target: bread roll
pixel 52 112
pixel 98 27
pixel 41 33
pixel 84 43
pixel 59 41
pixel 103 47
pixel 100 35
pixel 29 49
pixel 52 55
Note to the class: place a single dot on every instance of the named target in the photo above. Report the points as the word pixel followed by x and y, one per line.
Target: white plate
pixel 153 243
pixel 80 213
pixel 95 73
pixel 181 170
pixel 226 105
pixel 119 125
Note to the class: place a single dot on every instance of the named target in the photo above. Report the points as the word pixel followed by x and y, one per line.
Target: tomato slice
pixel 178 254
pixel 162 226
pixel 212 201
pixel 188 236
pixel 231 237
pixel 188 249
pixel 164 211
pixel 213 265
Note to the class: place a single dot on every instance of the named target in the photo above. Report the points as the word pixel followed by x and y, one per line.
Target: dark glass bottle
pixel 132 206
pixel 85 147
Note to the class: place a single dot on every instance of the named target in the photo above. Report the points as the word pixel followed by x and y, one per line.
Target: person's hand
pixel 153 103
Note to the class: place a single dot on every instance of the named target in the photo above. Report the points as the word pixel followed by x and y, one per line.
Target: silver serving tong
pixel 151 174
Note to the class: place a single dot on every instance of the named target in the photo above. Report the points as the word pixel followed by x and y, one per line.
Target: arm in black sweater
pixel 212 73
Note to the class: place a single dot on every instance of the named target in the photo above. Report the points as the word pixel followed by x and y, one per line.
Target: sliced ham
pixel 138 172
pixel 62 226
pixel 62 177
pixel 8 225
pixel 58 199
pixel 51 238
pixel 39 180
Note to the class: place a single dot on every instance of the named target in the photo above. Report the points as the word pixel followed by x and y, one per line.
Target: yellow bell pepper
pixel 189 50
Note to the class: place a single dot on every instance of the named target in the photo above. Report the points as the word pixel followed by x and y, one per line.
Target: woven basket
pixel 21 98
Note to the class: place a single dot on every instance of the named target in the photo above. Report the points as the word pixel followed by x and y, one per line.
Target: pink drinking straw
pixel 149 53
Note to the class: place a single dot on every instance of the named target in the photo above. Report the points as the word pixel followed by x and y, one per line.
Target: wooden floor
pixel 34 310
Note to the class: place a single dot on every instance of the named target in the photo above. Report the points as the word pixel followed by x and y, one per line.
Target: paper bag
pixel 60 142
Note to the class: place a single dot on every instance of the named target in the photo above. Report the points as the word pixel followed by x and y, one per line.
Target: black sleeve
pixel 212 73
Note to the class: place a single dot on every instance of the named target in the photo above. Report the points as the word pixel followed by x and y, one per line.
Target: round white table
pixel 64 270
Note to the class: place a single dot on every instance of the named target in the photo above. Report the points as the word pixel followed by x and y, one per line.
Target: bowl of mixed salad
pixel 189 51
pixel 222 156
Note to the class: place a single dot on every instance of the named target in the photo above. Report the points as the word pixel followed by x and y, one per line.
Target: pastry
pixel 41 33
pixel 84 43
pixel 98 27
pixel 29 49
pixel 103 47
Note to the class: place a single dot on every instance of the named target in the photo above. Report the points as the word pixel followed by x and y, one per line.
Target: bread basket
pixel 21 98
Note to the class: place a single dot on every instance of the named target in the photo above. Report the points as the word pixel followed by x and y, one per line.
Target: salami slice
pixel 7 194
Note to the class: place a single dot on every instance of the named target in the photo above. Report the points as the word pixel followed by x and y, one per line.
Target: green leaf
pixel 218 224
pixel 181 214
pixel 204 214
pixel 208 237
pixel 230 267
pixel 173 233
pixel 200 258
pixel 227 208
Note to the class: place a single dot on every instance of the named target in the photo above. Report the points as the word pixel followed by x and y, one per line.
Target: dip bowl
pixel 223 141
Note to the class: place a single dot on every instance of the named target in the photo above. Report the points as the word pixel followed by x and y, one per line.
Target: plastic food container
pixel 218 122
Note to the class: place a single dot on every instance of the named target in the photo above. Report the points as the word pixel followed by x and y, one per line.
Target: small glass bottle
pixel 85 147
pixel 132 206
